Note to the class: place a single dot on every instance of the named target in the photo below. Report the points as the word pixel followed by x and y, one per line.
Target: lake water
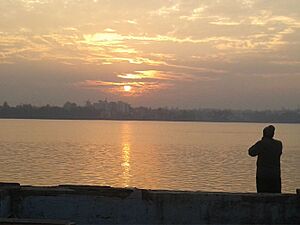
pixel 151 155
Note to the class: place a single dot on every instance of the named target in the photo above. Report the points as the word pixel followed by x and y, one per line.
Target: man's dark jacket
pixel 268 175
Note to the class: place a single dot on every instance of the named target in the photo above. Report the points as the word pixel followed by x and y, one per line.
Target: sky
pixel 239 54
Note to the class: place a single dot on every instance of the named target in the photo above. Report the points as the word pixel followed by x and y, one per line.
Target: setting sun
pixel 127 88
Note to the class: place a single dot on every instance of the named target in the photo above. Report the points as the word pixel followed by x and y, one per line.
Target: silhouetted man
pixel 268 150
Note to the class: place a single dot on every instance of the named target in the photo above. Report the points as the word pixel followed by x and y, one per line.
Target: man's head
pixel 269 131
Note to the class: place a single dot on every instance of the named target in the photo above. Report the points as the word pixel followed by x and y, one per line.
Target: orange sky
pixel 181 53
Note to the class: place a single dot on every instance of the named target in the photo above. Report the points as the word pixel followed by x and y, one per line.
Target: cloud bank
pixel 210 53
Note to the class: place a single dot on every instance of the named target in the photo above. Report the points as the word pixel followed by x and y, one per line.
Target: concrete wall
pixel 105 205
pixel 5 198
pixel 4 203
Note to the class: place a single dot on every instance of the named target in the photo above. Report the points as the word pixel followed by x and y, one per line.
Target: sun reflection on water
pixel 126 151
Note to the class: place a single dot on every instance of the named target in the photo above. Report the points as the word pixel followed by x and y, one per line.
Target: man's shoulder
pixel 277 141
pixel 272 141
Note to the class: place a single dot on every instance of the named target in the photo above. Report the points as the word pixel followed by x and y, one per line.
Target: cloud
pixel 157 76
pixel 167 10
pixel 117 88
pixel 143 82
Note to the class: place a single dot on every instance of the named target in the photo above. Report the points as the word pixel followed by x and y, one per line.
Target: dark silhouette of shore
pixel 104 110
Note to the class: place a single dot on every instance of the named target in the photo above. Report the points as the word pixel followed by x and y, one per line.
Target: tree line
pixel 104 110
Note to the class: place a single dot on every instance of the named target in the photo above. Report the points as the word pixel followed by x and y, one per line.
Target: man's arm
pixel 280 144
pixel 255 149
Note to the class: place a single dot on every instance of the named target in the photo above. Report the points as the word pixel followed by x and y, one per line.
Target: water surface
pixel 154 155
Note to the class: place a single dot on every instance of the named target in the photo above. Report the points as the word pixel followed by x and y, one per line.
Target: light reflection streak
pixel 126 153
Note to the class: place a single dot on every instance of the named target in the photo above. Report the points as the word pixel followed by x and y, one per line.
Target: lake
pixel 144 154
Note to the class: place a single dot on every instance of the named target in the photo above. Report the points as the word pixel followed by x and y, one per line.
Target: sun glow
pixel 127 88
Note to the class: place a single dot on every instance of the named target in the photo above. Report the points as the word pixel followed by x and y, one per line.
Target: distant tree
pixel 70 106
pixel 88 104
pixel 5 105
pixel 122 110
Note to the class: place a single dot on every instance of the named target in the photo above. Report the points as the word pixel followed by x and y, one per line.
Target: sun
pixel 127 88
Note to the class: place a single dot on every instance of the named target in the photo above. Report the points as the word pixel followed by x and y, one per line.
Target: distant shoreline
pixel 141 120
pixel 104 110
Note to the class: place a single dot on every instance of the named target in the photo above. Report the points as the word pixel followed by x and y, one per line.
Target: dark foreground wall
pixel 105 205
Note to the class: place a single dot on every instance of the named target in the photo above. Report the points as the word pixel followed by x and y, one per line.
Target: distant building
pixel 101 105
pixel 123 107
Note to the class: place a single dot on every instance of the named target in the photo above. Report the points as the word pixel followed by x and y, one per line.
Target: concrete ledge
pixel 9 185
pixel 33 222
pixel 106 205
